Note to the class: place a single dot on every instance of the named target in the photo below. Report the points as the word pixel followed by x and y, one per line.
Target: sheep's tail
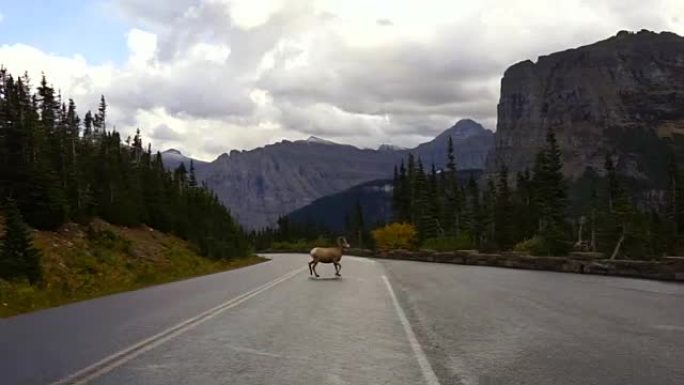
pixel 313 252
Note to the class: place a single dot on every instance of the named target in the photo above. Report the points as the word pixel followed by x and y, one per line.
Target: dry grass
pixel 82 262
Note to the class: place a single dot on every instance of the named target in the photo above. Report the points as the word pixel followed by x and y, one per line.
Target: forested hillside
pixel 542 213
pixel 59 167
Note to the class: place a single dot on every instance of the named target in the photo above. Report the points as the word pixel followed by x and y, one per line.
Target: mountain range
pixel 623 97
pixel 262 184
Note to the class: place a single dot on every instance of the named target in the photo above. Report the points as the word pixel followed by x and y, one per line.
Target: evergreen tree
pixel 412 186
pixel 622 229
pixel 475 215
pixel 357 225
pixel 503 213
pixel 402 198
pixel 396 195
pixel 549 184
pixel 673 218
pixel 193 178
pixel 434 199
pixel 56 174
pixel 526 217
pixel 99 120
pixel 423 219
pixel 488 216
pixel 452 214
pixel 550 197
pixel 18 258
pixel 181 175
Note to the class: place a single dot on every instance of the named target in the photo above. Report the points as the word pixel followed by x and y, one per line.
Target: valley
pixel 529 230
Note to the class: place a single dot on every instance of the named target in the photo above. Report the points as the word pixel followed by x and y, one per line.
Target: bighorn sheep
pixel 328 255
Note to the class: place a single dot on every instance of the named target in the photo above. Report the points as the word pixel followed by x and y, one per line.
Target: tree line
pixel 57 167
pixel 532 211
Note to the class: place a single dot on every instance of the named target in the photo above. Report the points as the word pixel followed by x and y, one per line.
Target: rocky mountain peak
pixel 317 140
pixel 618 95
pixel 461 130
pixel 172 151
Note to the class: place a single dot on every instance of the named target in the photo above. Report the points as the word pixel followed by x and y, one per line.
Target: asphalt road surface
pixel 384 322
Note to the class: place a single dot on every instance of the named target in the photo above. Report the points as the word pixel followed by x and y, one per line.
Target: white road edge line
pixel 119 358
pixel 425 367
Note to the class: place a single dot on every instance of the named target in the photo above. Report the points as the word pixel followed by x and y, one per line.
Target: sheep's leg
pixel 310 269
pixel 314 269
pixel 338 268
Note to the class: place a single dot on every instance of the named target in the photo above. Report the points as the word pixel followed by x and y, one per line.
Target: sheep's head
pixel 342 242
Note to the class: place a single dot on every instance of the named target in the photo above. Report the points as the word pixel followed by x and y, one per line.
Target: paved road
pixel 448 324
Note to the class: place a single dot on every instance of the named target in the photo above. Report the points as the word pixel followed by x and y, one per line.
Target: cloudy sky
pixel 209 76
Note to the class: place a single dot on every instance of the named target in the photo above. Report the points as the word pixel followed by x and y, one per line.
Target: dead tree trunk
pixel 619 244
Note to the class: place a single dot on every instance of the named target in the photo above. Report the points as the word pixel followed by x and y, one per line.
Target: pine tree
pixel 526 217
pixel 622 229
pixel 503 213
pixel 357 225
pixel 475 222
pixel 488 215
pixel 402 198
pixel 452 214
pixel 434 201
pixel 181 175
pixel 412 186
pixel 593 207
pixel 425 221
pixel 396 194
pixel 99 121
pixel 56 174
pixel 193 178
pixel 673 219
pixel 18 258
pixel 550 197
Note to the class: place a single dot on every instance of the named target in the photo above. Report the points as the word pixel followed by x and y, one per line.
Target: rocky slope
pixel 624 94
pixel 264 183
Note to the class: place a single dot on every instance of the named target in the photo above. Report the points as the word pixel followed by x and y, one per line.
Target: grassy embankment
pixel 82 262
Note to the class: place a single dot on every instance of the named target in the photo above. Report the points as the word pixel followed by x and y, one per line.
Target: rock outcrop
pixel 622 95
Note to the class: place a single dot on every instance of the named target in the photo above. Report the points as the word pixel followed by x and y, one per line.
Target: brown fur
pixel 328 255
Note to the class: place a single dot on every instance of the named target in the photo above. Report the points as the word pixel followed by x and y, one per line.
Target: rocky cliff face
pixel 260 185
pixel 623 94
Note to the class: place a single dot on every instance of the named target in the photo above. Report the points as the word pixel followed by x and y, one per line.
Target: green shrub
pixel 463 242
pixel 549 244
pixel 532 246
pixel 555 241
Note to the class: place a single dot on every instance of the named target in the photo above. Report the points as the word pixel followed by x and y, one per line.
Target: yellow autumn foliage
pixel 395 236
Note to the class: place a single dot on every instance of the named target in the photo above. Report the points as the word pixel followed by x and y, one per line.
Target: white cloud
pixel 208 76
pixel 142 46
pixel 2 17
pixel 74 76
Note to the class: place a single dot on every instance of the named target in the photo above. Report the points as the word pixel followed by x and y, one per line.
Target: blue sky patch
pixel 66 28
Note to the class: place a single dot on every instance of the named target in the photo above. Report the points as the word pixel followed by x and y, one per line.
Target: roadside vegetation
pixel 80 262
pixel 536 212
pixel 64 176
pixel 533 212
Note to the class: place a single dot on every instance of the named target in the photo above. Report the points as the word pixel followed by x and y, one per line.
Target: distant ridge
pixel 262 184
